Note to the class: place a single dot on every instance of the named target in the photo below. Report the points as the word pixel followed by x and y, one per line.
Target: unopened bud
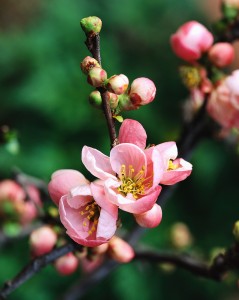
pixel 95 99
pixel 142 91
pixel 151 218
pixel 120 250
pixel 88 63
pixel 91 26
pixel 42 240
pixel 181 236
pixel 96 76
pixel 66 264
pixel 113 99
pixel 236 231
pixel 221 54
pixel 117 84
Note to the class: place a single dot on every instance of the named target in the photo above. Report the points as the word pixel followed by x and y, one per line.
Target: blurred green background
pixel 44 98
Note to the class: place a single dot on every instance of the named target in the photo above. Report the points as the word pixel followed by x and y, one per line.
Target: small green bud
pixel 95 99
pixel 236 231
pixel 230 10
pixel 91 26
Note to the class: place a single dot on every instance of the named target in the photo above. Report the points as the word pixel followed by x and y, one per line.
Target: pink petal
pixel 143 204
pixel 173 176
pixel 101 199
pixel 97 163
pixel 132 132
pixel 151 218
pixel 62 181
pixel 106 225
pixel 79 196
pixel 128 155
pixel 168 150
pixel 155 165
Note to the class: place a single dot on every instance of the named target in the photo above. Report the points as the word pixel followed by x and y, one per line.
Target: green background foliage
pixel 44 98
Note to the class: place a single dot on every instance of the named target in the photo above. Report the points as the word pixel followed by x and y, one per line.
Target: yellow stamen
pixel 172 166
pixel 91 213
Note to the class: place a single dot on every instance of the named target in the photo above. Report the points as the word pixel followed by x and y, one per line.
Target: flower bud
pixel 88 266
pixel 221 54
pixel 91 26
pixel 120 250
pixel 151 218
pixel 42 240
pixel 236 231
pixel 10 190
pixel 181 236
pixel 191 40
pixel 142 92
pixel 101 249
pixel 117 84
pixel 88 63
pixel 230 9
pixel 95 99
pixel 66 264
pixel 113 99
pixel 96 76
pixel 233 3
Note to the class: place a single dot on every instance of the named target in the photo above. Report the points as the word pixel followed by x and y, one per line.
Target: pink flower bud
pixel 10 190
pixel 96 76
pixel 221 54
pixel 191 40
pixel 42 240
pixel 101 249
pixel 120 250
pixel 151 218
pixel 142 91
pixel 66 264
pixel 88 266
pixel 117 84
pixel 88 63
pixel 113 99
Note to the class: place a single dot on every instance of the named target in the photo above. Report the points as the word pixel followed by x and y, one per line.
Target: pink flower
pixel 89 221
pixel 191 40
pixel 221 54
pixel 131 174
pixel 223 104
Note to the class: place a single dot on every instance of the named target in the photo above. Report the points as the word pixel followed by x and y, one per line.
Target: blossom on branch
pixel 191 40
pixel 90 221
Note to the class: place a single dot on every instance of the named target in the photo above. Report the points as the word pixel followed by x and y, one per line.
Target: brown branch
pixel 93 45
pixel 35 266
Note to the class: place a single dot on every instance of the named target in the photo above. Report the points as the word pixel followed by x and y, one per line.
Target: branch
pixel 35 266
pixel 93 45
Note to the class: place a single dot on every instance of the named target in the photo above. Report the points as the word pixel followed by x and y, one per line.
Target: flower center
pixel 172 166
pixel 92 214
pixel 132 183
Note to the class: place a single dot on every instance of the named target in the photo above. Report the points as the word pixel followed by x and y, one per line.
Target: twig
pixel 93 45
pixel 35 266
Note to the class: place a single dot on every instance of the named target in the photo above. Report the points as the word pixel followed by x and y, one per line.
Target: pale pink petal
pixel 182 172
pixel 107 225
pixel 151 218
pixel 155 166
pixel 143 204
pixel 102 200
pixel 168 150
pixel 62 181
pixel 132 131
pixel 79 196
pixel 97 163
pixel 127 155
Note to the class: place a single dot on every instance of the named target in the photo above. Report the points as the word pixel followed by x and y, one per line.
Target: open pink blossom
pixel 89 221
pixel 130 175
pixel 174 170
pixel 191 40
pixel 223 103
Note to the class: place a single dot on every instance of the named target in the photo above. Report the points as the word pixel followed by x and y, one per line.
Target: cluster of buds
pixel 18 204
pixel 192 40
pixel 120 96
